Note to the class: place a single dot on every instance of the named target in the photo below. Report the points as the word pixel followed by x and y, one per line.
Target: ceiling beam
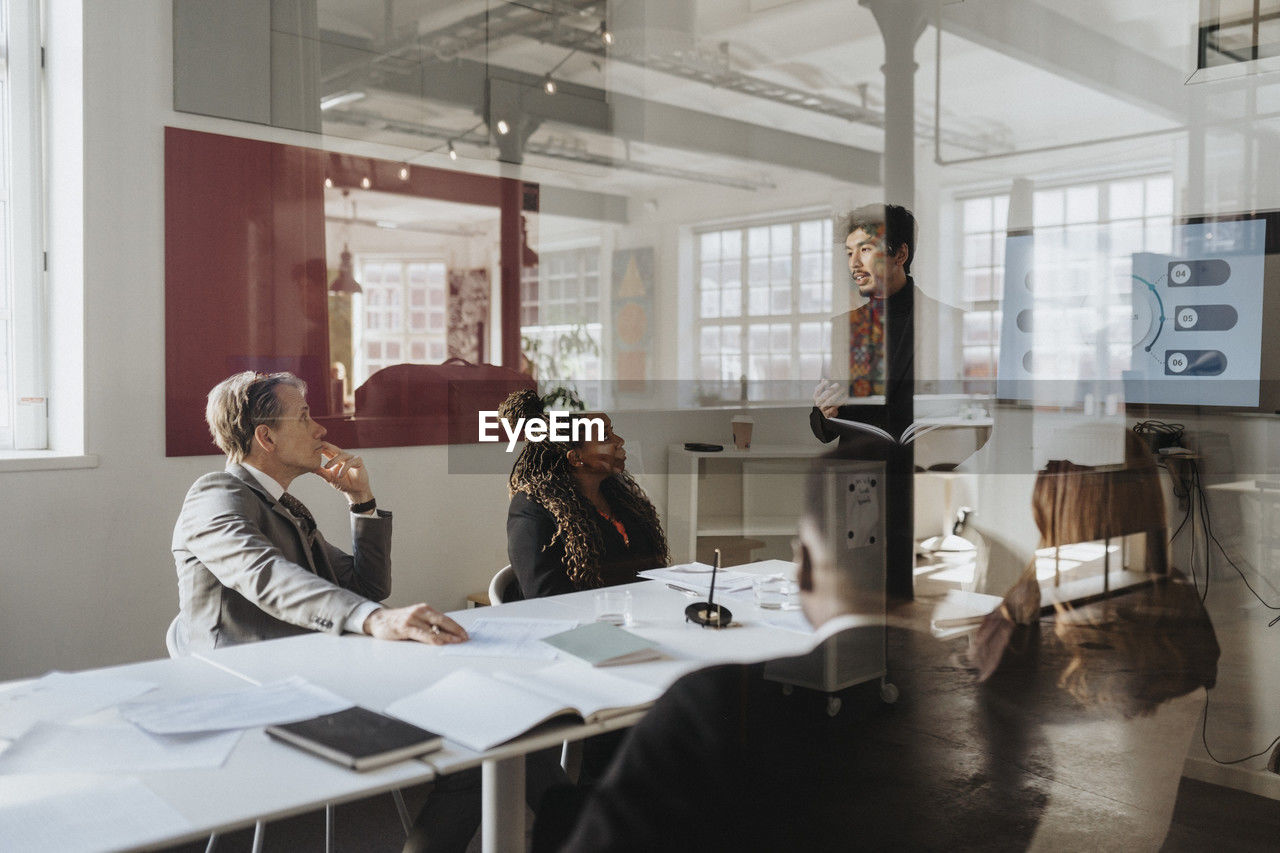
pixel 1055 43
pixel 492 92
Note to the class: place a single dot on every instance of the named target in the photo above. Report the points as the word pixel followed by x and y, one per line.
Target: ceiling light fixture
pixel 365 182
pixel 453 152
pixel 548 85
pixel 328 183
pixel 605 35
pixel 503 127
pixel 404 173
pixel 345 280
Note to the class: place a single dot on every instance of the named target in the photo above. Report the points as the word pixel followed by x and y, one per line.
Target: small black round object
pixel 849 535
pixel 708 615
pixel 872 540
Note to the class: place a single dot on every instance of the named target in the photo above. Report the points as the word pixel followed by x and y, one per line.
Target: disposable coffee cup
pixel 742 427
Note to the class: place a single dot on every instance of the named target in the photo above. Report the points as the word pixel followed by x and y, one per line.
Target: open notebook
pixel 479 710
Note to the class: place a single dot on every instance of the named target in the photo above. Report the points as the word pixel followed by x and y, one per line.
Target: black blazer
pixel 539 566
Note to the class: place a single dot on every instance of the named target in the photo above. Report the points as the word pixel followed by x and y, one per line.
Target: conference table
pixel 267 780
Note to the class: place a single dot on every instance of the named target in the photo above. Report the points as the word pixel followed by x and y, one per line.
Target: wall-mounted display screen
pixel 1085 318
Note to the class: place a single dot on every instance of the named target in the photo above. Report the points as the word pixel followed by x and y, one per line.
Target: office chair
pixel 500 586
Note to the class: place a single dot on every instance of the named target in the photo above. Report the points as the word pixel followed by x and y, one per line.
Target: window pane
pixel 1000 213
pixel 731 302
pixel 977 214
pixel 977 250
pixel 1126 199
pixel 811 236
pixel 1159 196
pixel 731 273
pixel 1082 204
pixel 758 242
pixel 709 248
pixel 731 244
pixel 780 239
pixel 711 303
pixel 1047 207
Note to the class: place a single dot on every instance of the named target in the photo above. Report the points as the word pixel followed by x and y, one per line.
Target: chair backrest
pixel 173 638
pixel 501 583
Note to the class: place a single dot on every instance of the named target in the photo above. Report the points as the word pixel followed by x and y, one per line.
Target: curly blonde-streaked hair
pixel 542 472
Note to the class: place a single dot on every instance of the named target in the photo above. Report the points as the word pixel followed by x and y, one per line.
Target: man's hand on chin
pixel 345 472
pixel 419 622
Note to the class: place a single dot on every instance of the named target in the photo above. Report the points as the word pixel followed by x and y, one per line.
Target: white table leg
pixel 502 798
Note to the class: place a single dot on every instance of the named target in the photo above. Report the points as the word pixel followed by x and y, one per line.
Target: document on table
pixel 278 702
pixel 116 748
pixel 481 711
pixel 510 638
pixel 62 814
pixel 727 580
pixel 63 696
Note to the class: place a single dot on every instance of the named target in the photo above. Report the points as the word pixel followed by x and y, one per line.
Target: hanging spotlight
pixel 345 280
pixel 404 173
pixel 605 35
pixel 453 152
pixel 365 182
pixel 503 127
pixel 328 183
pixel 548 85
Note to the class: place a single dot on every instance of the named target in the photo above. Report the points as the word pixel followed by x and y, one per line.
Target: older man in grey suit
pixel 251 563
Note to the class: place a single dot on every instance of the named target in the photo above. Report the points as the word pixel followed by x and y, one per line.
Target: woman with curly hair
pixel 577 520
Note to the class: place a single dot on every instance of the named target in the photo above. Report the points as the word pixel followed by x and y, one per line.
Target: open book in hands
pixel 910 434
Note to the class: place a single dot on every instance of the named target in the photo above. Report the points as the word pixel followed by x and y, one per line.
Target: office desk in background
pixel 264 779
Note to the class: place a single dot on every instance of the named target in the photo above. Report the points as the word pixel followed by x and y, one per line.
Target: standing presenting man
pixel 881 346
pixel 251 563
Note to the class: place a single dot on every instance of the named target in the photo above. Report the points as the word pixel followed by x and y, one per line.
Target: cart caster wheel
pixel 833 705
pixel 888 693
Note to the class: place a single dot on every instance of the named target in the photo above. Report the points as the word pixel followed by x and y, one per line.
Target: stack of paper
pixel 699 580
pixel 279 702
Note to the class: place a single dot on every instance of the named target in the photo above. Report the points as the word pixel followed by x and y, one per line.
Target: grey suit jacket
pixel 246 571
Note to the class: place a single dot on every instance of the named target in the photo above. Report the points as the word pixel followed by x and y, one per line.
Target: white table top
pixel 377 673
pixel 261 779
pixel 264 779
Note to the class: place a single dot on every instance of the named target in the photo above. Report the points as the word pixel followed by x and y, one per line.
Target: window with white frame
pixel 560 315
pixel 23 423
pixel 764 304
pixel 1092 228
pixel 402 313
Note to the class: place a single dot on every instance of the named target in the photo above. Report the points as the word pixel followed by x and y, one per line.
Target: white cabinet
pixel 745 502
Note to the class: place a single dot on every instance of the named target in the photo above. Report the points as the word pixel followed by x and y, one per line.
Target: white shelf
pixel 753 493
